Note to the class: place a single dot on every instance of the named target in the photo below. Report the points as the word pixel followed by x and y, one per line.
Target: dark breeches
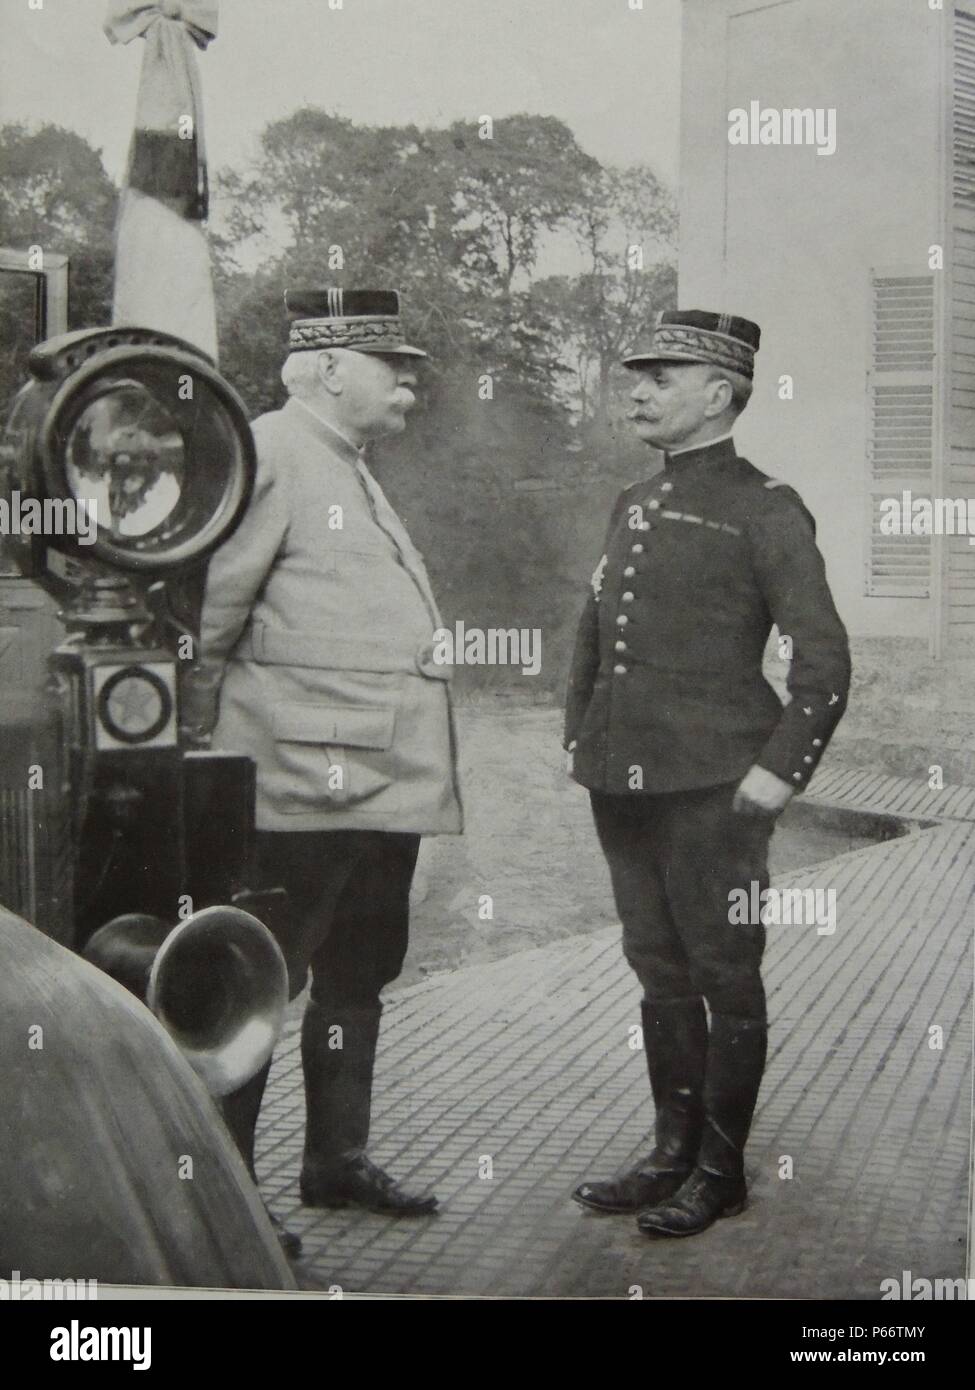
pixel 349 894
pixel 673 859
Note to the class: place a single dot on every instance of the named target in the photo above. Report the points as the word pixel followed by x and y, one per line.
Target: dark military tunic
pixel 668 709
pixel 700 561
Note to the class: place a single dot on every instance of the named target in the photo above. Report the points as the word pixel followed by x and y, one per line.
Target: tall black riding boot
pixel 736 1061
pixel 336 1171
pixel 338 1051
pixel 675 1039
pixel 240 1111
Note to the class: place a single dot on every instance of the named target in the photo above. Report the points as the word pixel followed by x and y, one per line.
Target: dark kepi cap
pixel 363 320
pixel 696 335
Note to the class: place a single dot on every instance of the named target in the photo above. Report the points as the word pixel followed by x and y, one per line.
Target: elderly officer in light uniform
pixel 689 755
pixel 317 661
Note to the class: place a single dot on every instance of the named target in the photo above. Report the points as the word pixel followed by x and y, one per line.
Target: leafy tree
pixel 527 178
pixel 626 230
pixel 54 193
pixel 53 188
pixel 456 219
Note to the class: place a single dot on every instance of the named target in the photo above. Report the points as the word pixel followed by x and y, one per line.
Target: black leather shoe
pixel 703 1199
pixel 289 1241
pixel 640 1187
pixel 360 1183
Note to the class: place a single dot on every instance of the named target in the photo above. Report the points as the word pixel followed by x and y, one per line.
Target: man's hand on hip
pixel 761 793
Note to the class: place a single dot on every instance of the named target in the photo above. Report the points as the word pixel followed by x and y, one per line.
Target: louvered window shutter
pixel 964 111
pixel 962 391
pixel 961 428
pixel 900 426
pixel 899 566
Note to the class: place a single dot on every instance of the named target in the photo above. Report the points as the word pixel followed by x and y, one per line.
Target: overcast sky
pixel 611 73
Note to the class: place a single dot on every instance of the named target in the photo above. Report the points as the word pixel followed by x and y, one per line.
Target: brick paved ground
pixel 901 796
pixel 526 1061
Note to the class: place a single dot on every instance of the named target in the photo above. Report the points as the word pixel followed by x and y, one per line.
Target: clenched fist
pixel 761 793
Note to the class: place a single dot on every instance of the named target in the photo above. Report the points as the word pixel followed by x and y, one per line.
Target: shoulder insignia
pixel 775 482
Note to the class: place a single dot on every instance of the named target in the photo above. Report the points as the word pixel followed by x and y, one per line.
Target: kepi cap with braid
pixel 697 335
pixel 362 320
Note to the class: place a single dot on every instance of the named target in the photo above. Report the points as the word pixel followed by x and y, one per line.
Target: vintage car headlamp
pixel 125 447
pixel 126 459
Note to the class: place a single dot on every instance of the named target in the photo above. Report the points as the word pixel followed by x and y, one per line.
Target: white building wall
pixel 788 237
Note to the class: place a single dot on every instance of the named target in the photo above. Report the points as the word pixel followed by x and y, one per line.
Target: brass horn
pixel 217 982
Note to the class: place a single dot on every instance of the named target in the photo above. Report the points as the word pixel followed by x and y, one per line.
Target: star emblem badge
pixel 134 704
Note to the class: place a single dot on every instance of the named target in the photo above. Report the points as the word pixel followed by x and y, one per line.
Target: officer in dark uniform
pixel 689 755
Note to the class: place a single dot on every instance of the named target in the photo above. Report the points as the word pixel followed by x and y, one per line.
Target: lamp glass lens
pixel 152 442
pixel 125 461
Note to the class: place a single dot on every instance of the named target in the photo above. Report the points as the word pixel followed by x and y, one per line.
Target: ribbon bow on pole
pixel 126 21
pixel 162 265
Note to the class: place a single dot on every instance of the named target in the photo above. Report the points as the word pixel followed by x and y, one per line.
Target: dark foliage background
pixel 514 455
